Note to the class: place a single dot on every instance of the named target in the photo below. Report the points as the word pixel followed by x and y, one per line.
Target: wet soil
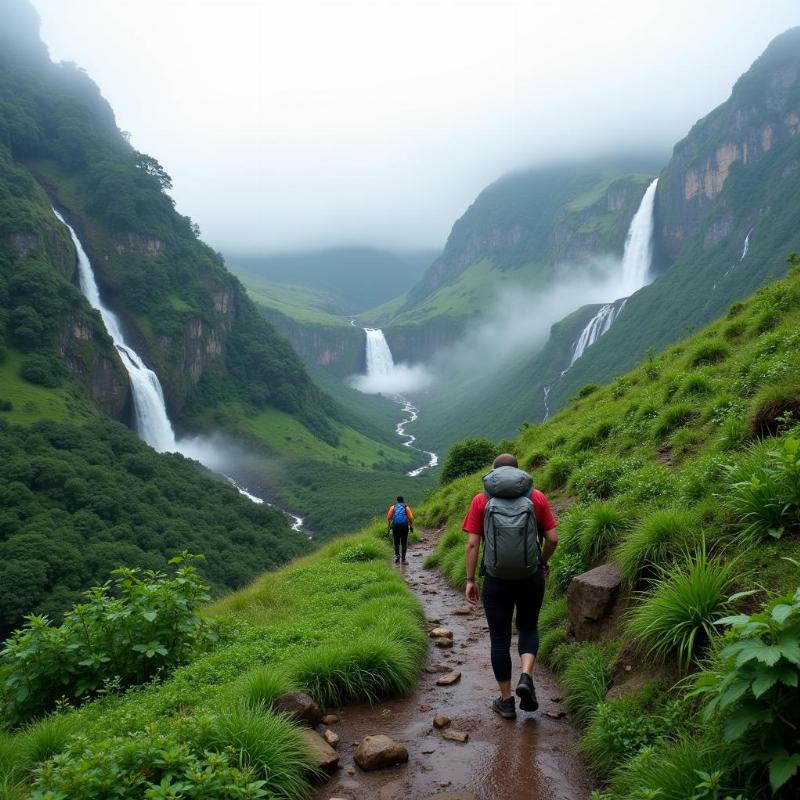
pixel 530 758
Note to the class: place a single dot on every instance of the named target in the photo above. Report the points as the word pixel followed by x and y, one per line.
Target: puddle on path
pixel 532 758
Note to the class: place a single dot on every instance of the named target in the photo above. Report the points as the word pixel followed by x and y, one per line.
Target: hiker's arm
pixel 550 544
pixel 473 548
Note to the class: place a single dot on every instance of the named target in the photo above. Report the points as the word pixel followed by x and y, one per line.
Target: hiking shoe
pixel 505 708
pixel 404 561
pixel 526 693
pixel 397 559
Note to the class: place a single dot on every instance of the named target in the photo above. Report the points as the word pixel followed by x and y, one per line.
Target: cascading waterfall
pixel 380 364
pixel 635 272
pixel 152 421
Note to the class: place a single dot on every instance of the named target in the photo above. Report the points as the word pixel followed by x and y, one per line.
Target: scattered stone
pixel 428 750
pixel 424 707
pixel 444 784
pixel 556 698
pixel 558 714
pixel 449 679
pixel 322 754
pixel 440 721
pixel 441 632
pixel 300 707
pixel 590 600
pixel 443 643
pixel 329 719
pixel 432 620
pixel 463 611
pixel 330 737
pixel 432 668
pixel 377 752
pixel 456 736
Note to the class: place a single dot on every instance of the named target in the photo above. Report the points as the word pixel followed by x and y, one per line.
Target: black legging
pixel 499 599
pixel 400 534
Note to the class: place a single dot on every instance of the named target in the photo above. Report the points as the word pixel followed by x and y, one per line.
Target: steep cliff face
pixel 761 117
pixel 339 349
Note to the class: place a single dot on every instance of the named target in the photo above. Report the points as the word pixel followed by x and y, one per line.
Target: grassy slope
pixel 31 403
pixel 653 445
pixel 339 624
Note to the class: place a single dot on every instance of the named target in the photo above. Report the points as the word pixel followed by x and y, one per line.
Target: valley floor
pixel 531 757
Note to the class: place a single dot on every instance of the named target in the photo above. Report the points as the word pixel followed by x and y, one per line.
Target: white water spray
pixel 746 245
pixel 379 357
pixel 152 421
pixel 635 272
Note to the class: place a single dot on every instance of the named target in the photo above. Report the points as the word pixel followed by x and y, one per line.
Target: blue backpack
pixel 400 517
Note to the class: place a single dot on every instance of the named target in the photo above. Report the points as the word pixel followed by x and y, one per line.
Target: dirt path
pixel 531 758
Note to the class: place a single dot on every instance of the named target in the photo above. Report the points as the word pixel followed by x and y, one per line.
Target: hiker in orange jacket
pixel 400 518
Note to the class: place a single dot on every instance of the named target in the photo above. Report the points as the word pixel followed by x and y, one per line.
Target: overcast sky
pixel 302 123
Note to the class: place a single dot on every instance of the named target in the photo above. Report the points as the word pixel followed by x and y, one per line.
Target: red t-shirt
pixel 473 522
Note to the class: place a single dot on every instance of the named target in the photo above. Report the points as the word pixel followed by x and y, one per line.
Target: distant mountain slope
pixel 354 278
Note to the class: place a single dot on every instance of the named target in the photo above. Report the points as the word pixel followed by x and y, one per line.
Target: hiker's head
pixel 400 499
pixel 505 460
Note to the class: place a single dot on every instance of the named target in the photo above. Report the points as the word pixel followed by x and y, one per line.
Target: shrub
pixel 657 539
pixel 367 550
pixel 587 389
pixel 763 490
pixel 735 330
pixel 43 371
pixel 564 566
pixel 648 483
pixel 259 687
pixel 586 681
pixel 676 617
pixel 598 478
pixel 6 405
pixel 550 640
pixel 709 353
pixel 621 729
pixel 603 525
pixel 673 417
pixel 732 433
pixel 591 438
pixel 147 625
pixel 556 472
pixel 735 309
pixel 154 766
pixel 754 690
pixel 467 457
pixel 553 613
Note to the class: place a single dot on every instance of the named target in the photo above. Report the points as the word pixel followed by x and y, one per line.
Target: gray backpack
pixel 510 535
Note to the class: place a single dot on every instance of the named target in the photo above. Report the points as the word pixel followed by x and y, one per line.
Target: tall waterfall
pixel 152 422
pixel 379 356
pixel 380 364
pixel 636 260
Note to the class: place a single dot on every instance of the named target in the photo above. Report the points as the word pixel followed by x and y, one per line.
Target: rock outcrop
pixel 300 707
pixel 591 598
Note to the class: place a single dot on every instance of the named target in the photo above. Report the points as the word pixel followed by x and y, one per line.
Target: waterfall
pixel 152 422
pixel 380 364
pixel 746 245
pixel 379 356
pixel 635 271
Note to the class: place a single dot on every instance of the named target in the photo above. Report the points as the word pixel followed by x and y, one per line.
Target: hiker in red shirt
pixel 512 517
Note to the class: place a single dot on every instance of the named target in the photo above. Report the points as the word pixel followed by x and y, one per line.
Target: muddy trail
pixel 530 758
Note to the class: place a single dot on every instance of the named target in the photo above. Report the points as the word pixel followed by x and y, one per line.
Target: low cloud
pixel 401 379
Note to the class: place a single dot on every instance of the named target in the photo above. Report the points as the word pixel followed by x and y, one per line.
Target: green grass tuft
pixel 586 681
pixel 675 619
pixel 657 539
pixel 603 526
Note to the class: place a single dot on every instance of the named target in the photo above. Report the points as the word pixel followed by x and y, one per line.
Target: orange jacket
pixel 409 513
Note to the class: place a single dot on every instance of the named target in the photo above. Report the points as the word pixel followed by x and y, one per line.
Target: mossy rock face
pixel 772 411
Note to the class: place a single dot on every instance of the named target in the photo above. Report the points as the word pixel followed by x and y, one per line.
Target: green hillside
pixel 683 472
pixel 353 279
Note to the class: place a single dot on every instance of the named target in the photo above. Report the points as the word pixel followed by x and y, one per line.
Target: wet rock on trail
pixel 330 719
pixel 443 633
pixel 440 721
pixel 323 755
pixel 456 736
pixel 449 679
pixel 330 737
pixel 300 707
pixel 378 752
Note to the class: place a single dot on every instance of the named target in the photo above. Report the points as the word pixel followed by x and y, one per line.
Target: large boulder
pixel 591 598
pixel 300 707
pixel 377 752
pixel 323 756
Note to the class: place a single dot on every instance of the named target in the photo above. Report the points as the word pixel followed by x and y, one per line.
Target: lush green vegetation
pixel 79 501
pixel 686 472
pixel 339 624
